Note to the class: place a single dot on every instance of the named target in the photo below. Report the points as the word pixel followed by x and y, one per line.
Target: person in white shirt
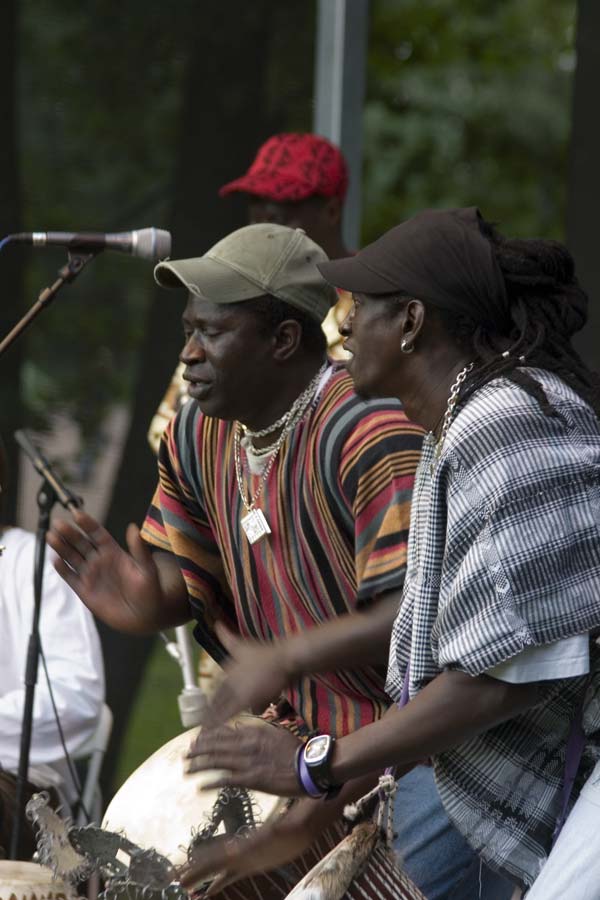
pixel 73 656
pixel 573 868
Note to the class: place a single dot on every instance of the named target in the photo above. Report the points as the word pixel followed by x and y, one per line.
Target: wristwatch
pixel 314 766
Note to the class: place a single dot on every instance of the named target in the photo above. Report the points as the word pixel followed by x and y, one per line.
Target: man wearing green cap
pixel 283 499
pixel 299 180
pixel 282 509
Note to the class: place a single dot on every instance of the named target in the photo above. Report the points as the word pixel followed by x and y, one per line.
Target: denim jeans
pixel 431 850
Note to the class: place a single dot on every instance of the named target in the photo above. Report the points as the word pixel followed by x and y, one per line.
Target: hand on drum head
pixel 255 675
pixel 270 846
pixel 262 759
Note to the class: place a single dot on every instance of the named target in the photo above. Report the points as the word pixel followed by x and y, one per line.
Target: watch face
pixel 316 749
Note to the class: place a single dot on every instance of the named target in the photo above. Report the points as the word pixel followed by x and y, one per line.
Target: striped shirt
pixel 504 554
pixel 337 501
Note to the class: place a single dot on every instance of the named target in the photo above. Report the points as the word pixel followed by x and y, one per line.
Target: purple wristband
pixel 303 774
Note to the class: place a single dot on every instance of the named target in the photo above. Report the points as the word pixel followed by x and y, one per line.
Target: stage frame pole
pixel 340 79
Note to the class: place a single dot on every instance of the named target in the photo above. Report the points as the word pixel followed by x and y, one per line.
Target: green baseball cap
pixel 253 261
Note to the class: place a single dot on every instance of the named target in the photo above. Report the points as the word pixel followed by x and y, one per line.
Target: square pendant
pixel 255 525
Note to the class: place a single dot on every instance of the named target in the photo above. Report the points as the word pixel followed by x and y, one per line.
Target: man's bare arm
pixel 257 673
pixel 356 639
pixel 274 844
pixel 450 710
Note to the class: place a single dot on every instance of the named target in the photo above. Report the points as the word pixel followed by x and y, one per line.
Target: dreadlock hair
pixel 547 307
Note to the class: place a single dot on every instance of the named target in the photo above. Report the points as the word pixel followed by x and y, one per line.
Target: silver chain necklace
pixel 452 400
pixel 281 421
pixel 293 416
pixel 254 522
pixel 291 413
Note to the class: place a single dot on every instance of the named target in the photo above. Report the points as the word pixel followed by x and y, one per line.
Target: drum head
pixel 29 881
pixel 160 807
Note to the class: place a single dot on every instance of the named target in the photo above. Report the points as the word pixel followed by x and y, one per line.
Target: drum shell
pixel 29 881
pixel 382 879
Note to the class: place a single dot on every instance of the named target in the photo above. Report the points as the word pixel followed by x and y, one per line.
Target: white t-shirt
pixel 72 650
pixel 567 658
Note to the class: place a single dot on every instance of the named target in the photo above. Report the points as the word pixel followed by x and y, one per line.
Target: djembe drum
pixel 161 816
pixel 30 881
pixel 363 865
pixel 161 808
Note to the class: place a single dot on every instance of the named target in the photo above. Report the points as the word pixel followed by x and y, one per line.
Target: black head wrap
pixel 438 256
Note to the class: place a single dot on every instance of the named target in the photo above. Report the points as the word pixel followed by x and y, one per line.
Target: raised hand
pixel 255 675
pixel 260 758
pixel 123 589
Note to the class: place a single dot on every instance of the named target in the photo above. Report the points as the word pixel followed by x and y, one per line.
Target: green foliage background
pixel 100 95
pixel 467 103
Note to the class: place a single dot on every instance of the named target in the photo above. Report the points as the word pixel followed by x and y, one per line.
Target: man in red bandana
pixel 299 180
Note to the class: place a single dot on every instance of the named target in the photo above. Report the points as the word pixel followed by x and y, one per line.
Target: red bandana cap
pixel 292 167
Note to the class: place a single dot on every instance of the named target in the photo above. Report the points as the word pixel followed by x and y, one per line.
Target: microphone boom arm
pixel 69 272
pixel 39 462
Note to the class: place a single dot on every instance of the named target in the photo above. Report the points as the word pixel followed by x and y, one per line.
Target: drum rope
pixel 384 790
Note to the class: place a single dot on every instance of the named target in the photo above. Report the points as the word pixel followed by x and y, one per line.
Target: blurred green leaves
pixel 468 103
pixel 99 98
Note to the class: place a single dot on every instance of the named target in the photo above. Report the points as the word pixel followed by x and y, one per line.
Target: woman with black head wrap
pixel 502 598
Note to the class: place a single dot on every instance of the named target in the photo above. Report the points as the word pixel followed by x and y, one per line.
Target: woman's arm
pixel 453 708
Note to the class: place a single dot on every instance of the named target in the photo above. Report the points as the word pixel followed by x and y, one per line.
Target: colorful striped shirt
pixel 337 501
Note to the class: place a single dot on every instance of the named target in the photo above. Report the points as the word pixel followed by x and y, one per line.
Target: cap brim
pixel 207 279
pixel 263 186
pixel 352 275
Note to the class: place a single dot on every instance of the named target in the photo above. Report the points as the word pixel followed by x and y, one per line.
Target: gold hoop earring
pixel 405 347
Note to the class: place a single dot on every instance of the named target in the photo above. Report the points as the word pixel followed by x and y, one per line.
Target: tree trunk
pixel 222 122
pixel 12 257
pixel 583 201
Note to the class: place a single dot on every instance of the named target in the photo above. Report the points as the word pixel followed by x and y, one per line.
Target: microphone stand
pixel 74 265
pixel 191 700
pixel 51 490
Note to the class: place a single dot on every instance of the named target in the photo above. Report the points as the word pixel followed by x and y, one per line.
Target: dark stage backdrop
pixel 583 209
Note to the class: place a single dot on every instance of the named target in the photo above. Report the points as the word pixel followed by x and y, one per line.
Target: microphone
pixel 148 243
pixel 41 465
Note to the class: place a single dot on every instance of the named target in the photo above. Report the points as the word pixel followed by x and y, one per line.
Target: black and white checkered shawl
pixel 504 554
